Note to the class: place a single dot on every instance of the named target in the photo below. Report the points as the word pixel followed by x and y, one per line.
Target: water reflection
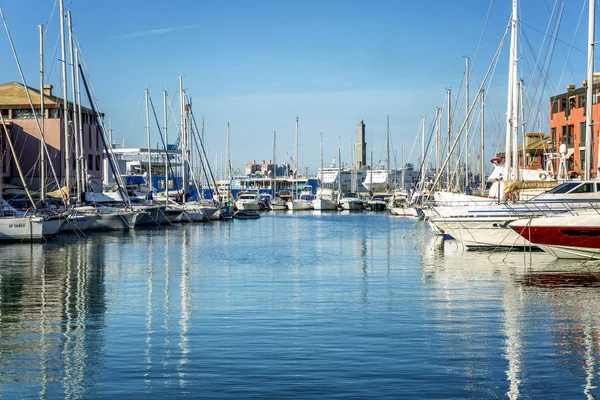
pixel 551 313
pixel 52 308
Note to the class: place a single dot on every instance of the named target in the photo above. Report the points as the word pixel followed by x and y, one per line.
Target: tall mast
pixel 387 144
pixel 183 139
pixel 165 119
pixel 481 157
pixel 228 162
pixel 43 119
pixel 274 164
pixel 522 103
pixel 511 109
pixel 296 158
pixel 589 157
pixel 67 147
pixel 149 187
pixel 438 123
pixel 75 124
pixel 467 123
pixel 79 131
pixel 339 169
pixel 449 93
pixel 321 151
pixel 423 150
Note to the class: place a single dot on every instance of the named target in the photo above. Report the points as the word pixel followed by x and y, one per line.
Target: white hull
pixel 114 221
pixel 52 225
pixel 278 206
pixel 571 252
pixel 150 214
pixel 404 211
pixel 299 205
pixel 324 205
pixel 482 233
pixel 253 205
pixel 78 223
pixel 27 229
pixel 351 205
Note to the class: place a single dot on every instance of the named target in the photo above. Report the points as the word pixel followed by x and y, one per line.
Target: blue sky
pixel 259 64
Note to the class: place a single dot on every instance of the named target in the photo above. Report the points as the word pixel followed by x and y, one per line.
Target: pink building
pixel 25 135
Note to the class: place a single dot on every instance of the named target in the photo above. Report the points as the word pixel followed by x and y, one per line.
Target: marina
pixel 296 211
pixel 317 305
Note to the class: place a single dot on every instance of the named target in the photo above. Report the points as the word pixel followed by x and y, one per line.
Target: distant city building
pixel 266 169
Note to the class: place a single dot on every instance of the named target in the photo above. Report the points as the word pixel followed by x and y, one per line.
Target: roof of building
pixel 14 94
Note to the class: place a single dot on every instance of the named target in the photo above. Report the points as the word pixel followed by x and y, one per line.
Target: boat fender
pixel 543 176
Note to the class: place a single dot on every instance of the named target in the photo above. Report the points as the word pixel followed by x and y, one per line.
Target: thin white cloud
pixel 160 31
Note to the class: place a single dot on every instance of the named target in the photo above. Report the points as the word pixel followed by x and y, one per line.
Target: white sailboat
pixel 323 200
pixel 297 203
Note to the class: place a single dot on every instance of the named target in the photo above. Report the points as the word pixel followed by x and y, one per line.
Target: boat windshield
pixel 564 188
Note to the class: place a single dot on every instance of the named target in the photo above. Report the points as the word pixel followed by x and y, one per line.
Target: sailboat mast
pixel 165 119
pixel 297 163
pixel 274 164
pixel 423 150
pixel 228 166
pixel 183 139
pixel 339 177
pixel 589 157
pixel 449 92
pixel 43 119
pixel 511 109
pixel 387 144
pixel 321 152
pixel 482 138
pixel 67 145
pixel 79 131
pixel 75 116
pixel 437 139
pixel 149 186
pixel 467 123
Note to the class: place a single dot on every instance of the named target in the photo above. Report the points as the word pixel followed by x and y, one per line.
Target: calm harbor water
pixel 303 305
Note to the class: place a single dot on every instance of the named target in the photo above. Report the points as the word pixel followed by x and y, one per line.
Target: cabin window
pixel 564 188
pixel 577 232
pixel 585 188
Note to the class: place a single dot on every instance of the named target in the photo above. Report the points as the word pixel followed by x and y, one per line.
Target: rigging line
pixel 571 47
pixel 445 163
pixel 50 17
pixel 543 67
pixel 482 33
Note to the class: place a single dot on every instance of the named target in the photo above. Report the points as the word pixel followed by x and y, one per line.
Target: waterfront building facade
pixel 25 135
pixel 568 126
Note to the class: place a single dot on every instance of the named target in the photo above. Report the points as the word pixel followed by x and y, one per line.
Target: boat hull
pixel 299 205
pixel 482 233
pixel 25 229
pixel 324 205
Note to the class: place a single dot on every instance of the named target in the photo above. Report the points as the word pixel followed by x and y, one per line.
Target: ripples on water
pixel 306 305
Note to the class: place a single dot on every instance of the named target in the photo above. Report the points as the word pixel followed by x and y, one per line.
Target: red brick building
pixel 568 125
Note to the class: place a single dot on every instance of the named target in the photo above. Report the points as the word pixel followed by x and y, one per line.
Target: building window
pixel 90 162
pixel 89 137
pixel 4 113
pixel 97 162
pixel 581 100
pixel 23 113
pixel 53 113
pixel 572 103
pixel 563 104
pixel 571 134
pixel 582 129
pixel 554 107
pixel 553 135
